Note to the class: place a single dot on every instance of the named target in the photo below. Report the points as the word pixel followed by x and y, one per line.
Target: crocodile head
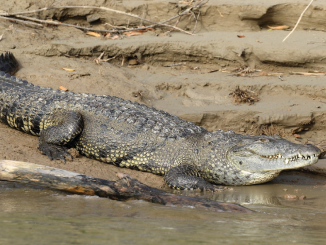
pixel 244 160
pixel 269 153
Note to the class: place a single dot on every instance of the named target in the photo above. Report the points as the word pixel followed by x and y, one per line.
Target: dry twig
pixel 176 23
pixel 298 21
pixel 21 21
pixel 309 73
pixel 56 23
pixel 220 13
pixel 123 28
pixel 244 71
pixel 176 64
pixel 98 60
pixel 196 22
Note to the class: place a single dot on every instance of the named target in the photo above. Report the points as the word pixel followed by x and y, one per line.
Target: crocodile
pixel 132 135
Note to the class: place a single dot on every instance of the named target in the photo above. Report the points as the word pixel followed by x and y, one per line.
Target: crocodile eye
pixel 240 162
pixel 263 140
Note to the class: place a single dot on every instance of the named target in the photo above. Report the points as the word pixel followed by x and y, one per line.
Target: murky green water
pixel 30 215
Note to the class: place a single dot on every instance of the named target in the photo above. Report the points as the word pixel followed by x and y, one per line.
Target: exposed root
pixel 99 59
pixel 298 21
pixel 244 71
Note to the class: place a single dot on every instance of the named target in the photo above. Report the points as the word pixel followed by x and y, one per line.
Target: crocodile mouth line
pixel 296 157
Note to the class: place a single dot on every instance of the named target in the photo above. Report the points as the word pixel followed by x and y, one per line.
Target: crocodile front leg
pixel 186 177
pixel 61 128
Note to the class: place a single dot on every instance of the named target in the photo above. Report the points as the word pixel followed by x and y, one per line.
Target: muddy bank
pixel 200 88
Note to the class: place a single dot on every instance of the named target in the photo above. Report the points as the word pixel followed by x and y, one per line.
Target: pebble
pixel 145 67
pixel 133 62
pixel 291 197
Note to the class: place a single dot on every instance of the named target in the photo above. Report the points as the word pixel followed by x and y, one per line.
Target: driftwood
pixel 126 188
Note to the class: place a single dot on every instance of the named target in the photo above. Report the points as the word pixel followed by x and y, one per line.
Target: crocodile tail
pixel 8 63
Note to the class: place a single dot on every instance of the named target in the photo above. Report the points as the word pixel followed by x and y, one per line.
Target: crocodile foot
pixel 206 186
pixel 55 152
pixel 186 177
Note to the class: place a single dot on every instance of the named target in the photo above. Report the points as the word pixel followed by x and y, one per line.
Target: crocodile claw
pixel 205 186
pixel 55 152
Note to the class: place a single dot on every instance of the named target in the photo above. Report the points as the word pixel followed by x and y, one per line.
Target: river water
pixel 34 215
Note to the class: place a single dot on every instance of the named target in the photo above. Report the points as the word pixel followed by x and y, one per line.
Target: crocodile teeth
pixel 293 158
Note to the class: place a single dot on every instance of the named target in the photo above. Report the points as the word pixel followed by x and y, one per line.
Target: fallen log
pixel 126 188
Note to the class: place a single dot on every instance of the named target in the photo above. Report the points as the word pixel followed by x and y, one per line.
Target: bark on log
pixel 126 188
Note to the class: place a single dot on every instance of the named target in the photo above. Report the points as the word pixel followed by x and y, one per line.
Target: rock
pixel 145 67
pixel 92 18
pixel 133 62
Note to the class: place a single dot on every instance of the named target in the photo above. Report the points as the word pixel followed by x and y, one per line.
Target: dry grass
pixel 244 96
pixel 269 130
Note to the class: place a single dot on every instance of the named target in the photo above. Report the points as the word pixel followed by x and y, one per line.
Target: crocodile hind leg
pixel 61 128
pixel 186 177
